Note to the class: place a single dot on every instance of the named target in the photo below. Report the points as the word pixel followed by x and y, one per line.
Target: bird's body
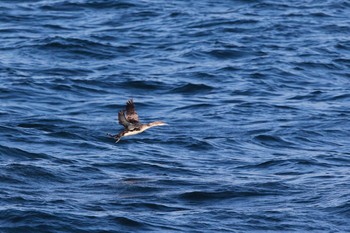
pixel 131 122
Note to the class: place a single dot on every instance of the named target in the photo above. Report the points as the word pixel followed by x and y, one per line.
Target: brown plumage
pixel 131 122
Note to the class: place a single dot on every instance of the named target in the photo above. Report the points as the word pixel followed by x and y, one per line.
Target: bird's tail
pixel 117 137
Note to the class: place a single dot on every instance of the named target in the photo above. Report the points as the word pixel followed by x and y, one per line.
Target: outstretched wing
pixel 131 115
pixel 122 120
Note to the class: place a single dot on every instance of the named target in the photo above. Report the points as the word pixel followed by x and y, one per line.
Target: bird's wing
pixel 131 114
pixel 122 120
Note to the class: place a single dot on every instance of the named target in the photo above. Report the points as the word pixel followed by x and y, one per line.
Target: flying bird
pixel 131 122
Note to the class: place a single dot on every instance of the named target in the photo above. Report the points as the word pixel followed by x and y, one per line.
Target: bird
pixel 131 122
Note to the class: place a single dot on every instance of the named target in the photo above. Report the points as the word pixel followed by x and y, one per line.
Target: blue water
pixel 256 94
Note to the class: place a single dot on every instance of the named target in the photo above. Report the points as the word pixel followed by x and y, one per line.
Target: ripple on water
pixel 191 88
pixel 271 140
pixel 11 153
pixel 30 173
pixel 75 47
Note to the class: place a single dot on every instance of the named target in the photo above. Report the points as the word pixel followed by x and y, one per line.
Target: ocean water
pixel 256 94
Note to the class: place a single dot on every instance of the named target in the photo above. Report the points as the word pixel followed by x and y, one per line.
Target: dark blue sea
pixel 256 95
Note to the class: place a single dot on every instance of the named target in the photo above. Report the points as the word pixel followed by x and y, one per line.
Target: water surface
pixel 256 95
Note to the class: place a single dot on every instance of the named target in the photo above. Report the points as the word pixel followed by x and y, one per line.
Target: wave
pixel 16 153
pixel 68 5
pixel 191 88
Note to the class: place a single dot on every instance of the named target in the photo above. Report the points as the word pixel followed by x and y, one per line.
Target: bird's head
pixel 156 123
